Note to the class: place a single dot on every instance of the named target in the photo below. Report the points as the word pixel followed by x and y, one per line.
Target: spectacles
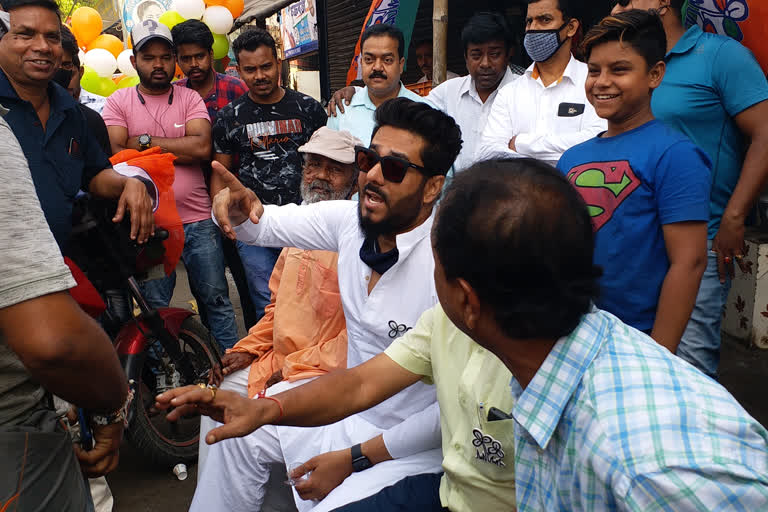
pixel 393 168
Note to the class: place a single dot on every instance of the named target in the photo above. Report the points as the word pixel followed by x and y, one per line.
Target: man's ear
pixel 573 27
pixel 656 74
pixel 402 65
pixel 133 61
pixel 470 304
pixel 433 188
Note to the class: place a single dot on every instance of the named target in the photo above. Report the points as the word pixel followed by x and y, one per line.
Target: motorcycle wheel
pixel 164 443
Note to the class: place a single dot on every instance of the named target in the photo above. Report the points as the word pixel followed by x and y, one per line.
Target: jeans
pixel 204 259
pixel 700 344
pixel 235 264
pixel 417 493
pixel 258 263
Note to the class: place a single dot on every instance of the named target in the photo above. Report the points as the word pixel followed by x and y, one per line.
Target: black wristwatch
pixel 359 461
pixel 145 141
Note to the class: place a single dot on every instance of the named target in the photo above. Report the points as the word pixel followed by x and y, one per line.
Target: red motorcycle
pixel 160 349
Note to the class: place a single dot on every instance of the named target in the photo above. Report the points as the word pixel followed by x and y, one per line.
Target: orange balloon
pixel 86 25
pixel 179 74
pixel 235 6
pixel 108 42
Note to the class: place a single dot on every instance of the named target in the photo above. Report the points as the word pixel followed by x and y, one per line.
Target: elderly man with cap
pixel 302 333
pixel 157 114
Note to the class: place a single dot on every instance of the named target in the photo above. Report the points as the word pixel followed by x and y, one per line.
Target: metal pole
pixel 439 41
pixel 321 8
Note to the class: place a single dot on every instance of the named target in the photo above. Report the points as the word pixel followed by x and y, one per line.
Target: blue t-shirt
pixel 709 80
pixel 634 184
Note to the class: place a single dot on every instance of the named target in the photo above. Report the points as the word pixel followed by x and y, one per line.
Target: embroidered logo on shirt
pixel 397 330
pixel 488 449
pixel 604 186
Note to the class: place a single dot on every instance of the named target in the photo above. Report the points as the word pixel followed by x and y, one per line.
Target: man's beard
pixel 400 216
pixel 153 84
pixel 326 192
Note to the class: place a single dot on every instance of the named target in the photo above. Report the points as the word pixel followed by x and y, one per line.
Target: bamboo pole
pixel 439 41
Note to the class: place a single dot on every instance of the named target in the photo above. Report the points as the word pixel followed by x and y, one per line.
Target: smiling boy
pixel 646 185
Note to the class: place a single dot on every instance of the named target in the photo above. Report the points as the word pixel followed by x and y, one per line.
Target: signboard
pixel 298 28
pixel 136 11
pixel 744 20
pixel 401 13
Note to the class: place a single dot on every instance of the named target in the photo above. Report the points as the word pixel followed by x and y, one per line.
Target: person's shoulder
pixel 300 97
pixel 121 96
pixel 231 81
pixel 581 150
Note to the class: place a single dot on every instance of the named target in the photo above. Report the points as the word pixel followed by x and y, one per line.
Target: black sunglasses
pixel 393 168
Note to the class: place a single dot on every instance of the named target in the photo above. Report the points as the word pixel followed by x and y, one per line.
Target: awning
pixel 259 9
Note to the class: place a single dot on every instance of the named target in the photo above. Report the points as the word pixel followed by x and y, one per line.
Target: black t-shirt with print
pixel 265 140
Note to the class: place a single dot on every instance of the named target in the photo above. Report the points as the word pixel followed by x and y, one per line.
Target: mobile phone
pixel 86 435
pixel 495 414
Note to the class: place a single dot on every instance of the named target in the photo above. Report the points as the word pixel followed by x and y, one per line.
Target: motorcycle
pixel 159 349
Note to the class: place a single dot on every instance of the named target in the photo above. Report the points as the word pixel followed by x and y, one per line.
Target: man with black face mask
pixel 546 112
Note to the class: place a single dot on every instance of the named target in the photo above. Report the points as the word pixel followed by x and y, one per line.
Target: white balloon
pixel 81 55
pixel 189 9
pixel 124 63
pixel 101 61
pixel 218 19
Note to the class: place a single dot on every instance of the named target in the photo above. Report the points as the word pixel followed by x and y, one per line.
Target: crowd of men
pixel 504 295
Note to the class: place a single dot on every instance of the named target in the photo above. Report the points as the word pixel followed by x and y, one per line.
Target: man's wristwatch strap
pixel 359 461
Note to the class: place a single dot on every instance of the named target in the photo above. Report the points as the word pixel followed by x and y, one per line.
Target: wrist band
pixel 278 404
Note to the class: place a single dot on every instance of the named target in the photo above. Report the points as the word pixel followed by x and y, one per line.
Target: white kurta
pixel 547 121
pixel 236 470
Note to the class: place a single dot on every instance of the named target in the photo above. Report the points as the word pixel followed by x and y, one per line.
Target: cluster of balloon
pixel 219 15
pixel 104 54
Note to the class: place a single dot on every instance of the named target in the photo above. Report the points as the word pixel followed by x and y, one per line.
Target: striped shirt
pixel 613 421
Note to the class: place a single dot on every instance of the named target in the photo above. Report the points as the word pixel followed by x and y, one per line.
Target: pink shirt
pixel 159 119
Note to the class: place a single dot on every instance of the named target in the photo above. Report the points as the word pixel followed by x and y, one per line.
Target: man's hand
pixel 729 246
pixel 136 200
pixel 235 361
pixel 328 471
pixel 274 379
pixel 512 143
pixel 344 94
pixel 105 455
pixel 240 416
pixel 234 204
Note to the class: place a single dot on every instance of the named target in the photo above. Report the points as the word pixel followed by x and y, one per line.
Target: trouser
pixel 236 470
pixel 258 263
pixel 38 468
pixel 204 259
pixel 700 344
pixel 235 264
pixel 418 493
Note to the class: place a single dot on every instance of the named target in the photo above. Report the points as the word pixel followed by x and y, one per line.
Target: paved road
pixel 138 487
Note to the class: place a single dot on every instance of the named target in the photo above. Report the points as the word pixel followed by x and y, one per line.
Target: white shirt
pixel 459 99
pixel 374 321
pixel 547 121
pixel 449 75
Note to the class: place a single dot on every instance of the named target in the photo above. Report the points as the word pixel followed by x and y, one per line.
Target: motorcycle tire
pixel 161 442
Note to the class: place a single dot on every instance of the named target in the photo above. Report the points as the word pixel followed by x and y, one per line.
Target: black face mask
pixel 63 77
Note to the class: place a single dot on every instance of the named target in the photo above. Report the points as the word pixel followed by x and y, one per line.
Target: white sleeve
pixel 310 227
pixel 551 146
pixel 438 97
pixel 419 433
pixel 499 128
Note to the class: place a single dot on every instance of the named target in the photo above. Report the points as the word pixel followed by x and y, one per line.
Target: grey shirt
pixel 31 266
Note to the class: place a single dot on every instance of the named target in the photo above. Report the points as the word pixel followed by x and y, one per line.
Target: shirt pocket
pixel 493 446
pixel 69 165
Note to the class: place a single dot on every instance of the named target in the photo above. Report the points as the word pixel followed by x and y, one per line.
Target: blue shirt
pixel 358 117
pixel 709 80
pixel 63 157
pixel 613 421
pixel 634 184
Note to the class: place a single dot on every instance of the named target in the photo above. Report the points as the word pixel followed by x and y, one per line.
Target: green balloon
pixel 220 46
pixel 170 19
pixel 131 81
pixel 90 80
pixel 106 87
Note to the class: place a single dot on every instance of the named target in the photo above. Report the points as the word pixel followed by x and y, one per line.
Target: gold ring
pixel 213 390
pixel 739 256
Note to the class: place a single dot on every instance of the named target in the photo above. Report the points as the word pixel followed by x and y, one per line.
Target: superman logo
pixel 604 186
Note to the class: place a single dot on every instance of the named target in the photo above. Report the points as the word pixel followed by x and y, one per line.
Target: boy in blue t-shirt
pixel 647 186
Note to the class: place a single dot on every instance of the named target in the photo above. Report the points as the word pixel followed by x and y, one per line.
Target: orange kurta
pixel 303 331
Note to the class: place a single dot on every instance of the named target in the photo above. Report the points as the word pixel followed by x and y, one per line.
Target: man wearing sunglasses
pixel 385 271
pixel 715 92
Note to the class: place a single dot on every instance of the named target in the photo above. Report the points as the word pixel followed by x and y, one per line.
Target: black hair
pixel 677 6
pixel 69 45
pixel 421 42
pixel 485 27
pixel 520 234
pixel 638 28
pixel 251 39
pixel 10 5
pixel 382 29
pixel 440 132
pixel 567 7
pixel 192 32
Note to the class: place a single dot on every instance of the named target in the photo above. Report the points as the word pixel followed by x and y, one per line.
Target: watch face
pixel 144 140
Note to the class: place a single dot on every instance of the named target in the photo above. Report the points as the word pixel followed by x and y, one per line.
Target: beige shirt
pixel 478 454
